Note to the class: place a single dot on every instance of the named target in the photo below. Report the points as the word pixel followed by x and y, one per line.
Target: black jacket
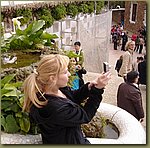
pixel 60 119
pixel 142 72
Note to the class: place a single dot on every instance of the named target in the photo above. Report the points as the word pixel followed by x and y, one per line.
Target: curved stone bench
pixel 130 129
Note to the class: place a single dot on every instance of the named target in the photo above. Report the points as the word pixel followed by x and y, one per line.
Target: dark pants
pixel 115 45
pixel 123 46
pixel 141 48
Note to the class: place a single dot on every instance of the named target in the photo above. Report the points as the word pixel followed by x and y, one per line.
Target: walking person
pixel 127 62
pixel 54 107
pixel 129 96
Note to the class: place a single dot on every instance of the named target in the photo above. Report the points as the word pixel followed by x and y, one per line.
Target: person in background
pixel 142 71
pixel 133 37
pixel 127 62
pixel 129 96
pixel 54 107
pixel 115 39
pixel 141 44
pixel 135 64
pixel 80 70
pixel 124 40
pixel 137 43
pixel 118 64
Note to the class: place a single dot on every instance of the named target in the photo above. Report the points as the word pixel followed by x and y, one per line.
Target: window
pixel 133 12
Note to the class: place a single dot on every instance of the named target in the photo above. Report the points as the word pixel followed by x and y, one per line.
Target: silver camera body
pixel 106 66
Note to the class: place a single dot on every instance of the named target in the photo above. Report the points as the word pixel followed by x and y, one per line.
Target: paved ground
pixel 110 93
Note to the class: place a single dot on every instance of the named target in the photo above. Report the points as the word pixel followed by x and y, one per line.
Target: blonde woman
pixel 54 107
pixel 127 62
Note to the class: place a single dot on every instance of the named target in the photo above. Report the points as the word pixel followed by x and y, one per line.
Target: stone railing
pixel 130 129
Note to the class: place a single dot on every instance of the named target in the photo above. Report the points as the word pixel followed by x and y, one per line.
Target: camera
pixel 106 66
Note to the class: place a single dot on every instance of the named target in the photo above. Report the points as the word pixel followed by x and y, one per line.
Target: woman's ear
pixel 52 79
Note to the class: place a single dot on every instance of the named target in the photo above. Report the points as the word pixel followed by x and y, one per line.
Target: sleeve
pixel 71 114
pixel 81 59
pixel 126 61
pixel 137 99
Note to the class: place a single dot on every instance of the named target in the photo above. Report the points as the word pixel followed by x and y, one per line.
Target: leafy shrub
pixel 59 12
pixel 31 38
pixel 72 10
pixel 45 14
pixel 12 118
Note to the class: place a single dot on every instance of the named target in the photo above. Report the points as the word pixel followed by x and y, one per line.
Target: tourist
pixel 56 109
pixel 80 70
pixel 142 71
pixel 118 64
pixel 129 96
pixel 127 62
pixel 135 64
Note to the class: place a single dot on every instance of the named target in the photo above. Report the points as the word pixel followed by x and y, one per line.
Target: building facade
pixel 135 15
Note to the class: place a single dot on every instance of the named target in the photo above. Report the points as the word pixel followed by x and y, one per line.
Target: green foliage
pixel 12 118
pixel 99 6
pixel 72 10
pixel 59 12
pixel 91 6
pixel 83 8
pixel 95 128
pixel 31 38
pixel 45 14
pixel 2 30
pixel 26 13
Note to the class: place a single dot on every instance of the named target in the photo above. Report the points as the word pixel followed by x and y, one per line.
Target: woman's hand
pixel 101 81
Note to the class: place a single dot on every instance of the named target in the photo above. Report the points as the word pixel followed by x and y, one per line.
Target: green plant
pixel 45 14
pixel 59 12
pixel 12 118
pixel 83 8
pixel 26 13
pixel 99 6
pixel 32 37
pixel 72 10
pixel 91 6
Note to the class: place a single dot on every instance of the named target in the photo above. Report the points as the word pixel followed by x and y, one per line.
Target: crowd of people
pixel 133 72
pixel 58 110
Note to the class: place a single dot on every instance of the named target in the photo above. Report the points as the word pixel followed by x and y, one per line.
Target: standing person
pixel 141 44
pixel 118 64
pixel 54 107
pixel 124 40
pixel 127 61
pixel 115 40
pixel 135 64
pixel 79 62
pixel 129 96
pixel 137 43
pixel 142 71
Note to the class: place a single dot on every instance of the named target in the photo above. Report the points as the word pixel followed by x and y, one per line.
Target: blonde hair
pixel 128 44
pixel 49 65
